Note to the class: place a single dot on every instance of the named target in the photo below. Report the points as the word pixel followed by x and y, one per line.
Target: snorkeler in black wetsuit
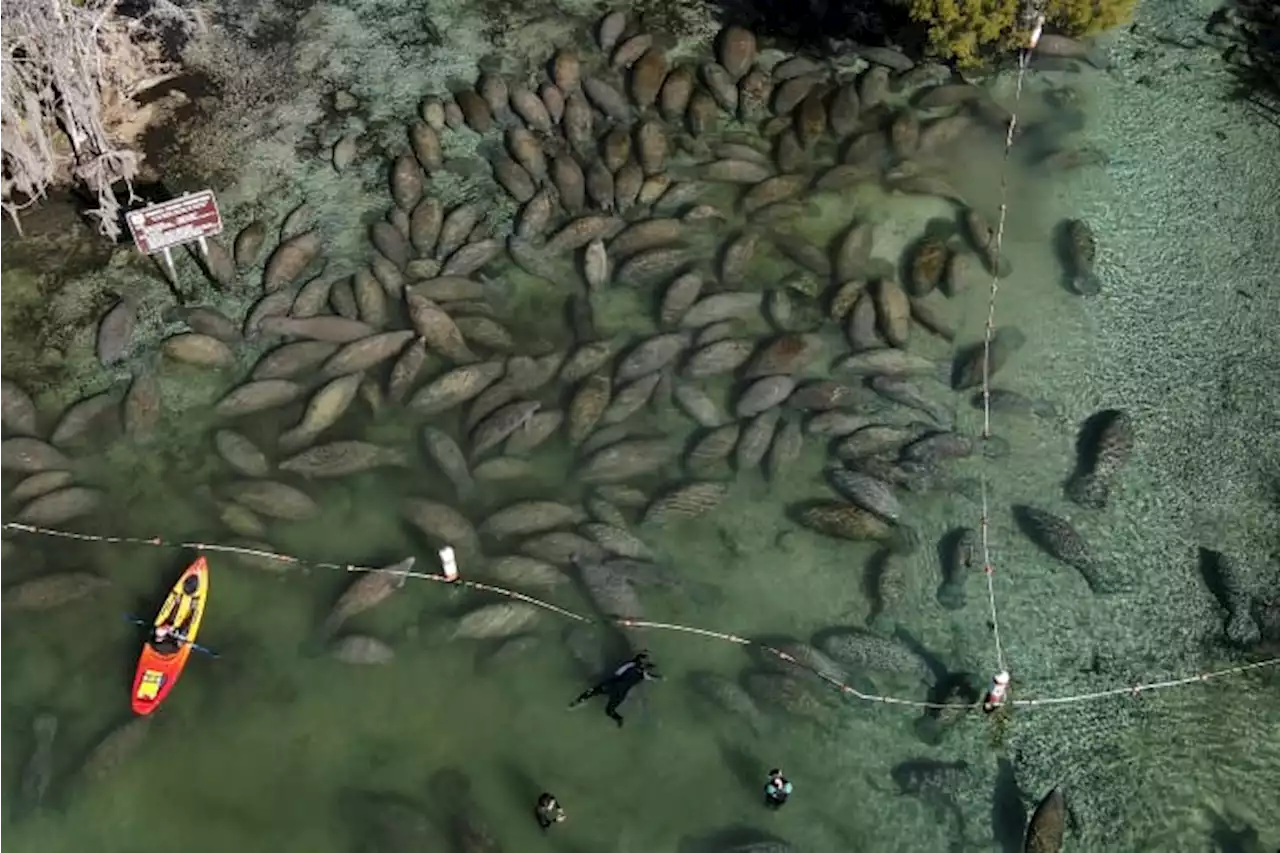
pixel 617 686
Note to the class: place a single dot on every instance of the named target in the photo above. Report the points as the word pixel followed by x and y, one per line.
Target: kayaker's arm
pixel 174 635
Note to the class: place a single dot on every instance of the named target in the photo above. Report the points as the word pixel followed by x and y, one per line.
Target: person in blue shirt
pixel 618 685
pixel 776 790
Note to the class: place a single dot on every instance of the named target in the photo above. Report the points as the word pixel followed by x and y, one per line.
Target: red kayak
pixel 161 662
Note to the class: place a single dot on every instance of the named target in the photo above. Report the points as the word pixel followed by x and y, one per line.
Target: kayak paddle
pixel 177 639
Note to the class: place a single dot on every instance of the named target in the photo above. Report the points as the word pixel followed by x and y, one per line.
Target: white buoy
pixel 448 564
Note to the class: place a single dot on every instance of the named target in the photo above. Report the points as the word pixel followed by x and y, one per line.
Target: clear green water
pixel 275 747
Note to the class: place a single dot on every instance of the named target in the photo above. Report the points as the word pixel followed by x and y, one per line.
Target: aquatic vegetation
pixel 971 32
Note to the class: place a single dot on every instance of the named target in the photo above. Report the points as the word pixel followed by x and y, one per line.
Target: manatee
pixel 341 458
pixel 60 506
pixel 241 453
pixel 1226 579
pixel 501 424
pixel 455 387
pixel 697 404
pixel 274 500
pixel 689 500
pixel 338 330
pixel 588 405
pixel 449 458
pixel 40 484
pixel 719 357
pixel 630 398
pixel 788 441
pixel 1057 538
pixel 82 418
pixel 503 619
pixel 115 331
pixel 519 571
pixel 904 392
pixel 31 455
pixel 50 591
pixel 729 697
pixel 1005 401
pixel 866 491
pixel 366 353
pixel 1048 825
pixel 972 365
pixel 537 429
pixel 443 525
pixel 289 261
pixel 959 551
pixel 790 694
pixel 531 516
pixel 37 774
pixel 1080 249
pixel 562 548
pixel 116 748
pixel 627 460
pixel 862 650
pixel 325 407
pixel 291 360
pixel 360 650
pixel 366 592
pixel 257 396
pixel 248 243
pixel 19 412
pixel 763 394
pixel 1108 448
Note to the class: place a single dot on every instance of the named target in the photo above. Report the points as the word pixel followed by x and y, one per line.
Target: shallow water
pixel 275 746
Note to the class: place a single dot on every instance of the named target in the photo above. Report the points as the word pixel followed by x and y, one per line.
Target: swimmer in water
pixel 617 686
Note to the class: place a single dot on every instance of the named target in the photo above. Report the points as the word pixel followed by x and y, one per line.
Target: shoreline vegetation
pixel 76 73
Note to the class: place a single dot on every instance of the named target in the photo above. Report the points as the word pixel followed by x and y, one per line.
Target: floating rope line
pixel 622 622
pixel 156 541
pixel 997 247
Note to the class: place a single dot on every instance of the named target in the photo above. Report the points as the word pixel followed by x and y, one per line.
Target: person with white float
pixel 997 693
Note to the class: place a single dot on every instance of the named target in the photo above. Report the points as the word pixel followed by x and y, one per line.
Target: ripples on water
pixel 274 746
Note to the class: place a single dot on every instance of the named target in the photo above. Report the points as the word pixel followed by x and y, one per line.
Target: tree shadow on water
pixel 818 26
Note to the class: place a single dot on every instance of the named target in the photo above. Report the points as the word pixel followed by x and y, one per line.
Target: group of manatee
pixel 687 190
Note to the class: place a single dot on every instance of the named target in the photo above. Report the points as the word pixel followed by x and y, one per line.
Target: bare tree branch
pixel 63 61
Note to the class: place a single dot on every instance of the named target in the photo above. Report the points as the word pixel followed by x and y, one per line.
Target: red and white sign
pixel 158 227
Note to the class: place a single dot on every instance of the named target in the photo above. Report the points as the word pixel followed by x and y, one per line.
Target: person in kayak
pixel 617 686
pixel 167 639
pixel 169 636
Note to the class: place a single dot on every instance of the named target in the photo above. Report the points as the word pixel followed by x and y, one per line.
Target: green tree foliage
pixel 970 31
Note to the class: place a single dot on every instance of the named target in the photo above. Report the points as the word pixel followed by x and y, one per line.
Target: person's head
pixel 190 585
pixel 546 801
pixel 162 630
pixel 642 658
pixel 774 772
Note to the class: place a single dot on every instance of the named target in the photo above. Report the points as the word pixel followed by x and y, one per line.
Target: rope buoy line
pixel 157 542
pixel 996 692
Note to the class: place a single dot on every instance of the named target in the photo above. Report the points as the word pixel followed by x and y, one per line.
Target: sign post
pixel 193 217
